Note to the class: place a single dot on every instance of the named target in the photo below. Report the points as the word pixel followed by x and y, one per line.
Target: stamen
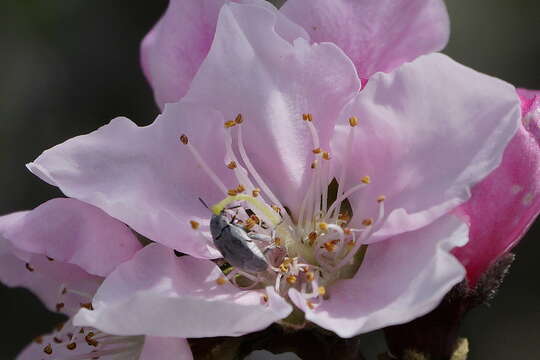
pixel 367 222
pixel 229 124
pixel 194 224
pixel 221 281
pixel 29 267
pixel 231 165
pixel 184 139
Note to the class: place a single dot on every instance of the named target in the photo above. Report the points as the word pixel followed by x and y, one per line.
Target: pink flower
pixel 268 122
pixel 505 204
pixel 62 250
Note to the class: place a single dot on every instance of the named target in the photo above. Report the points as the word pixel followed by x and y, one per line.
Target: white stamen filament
pixel 206 168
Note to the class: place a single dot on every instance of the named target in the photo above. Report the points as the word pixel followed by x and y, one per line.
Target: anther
pixel 314 164
pixel 307 117
pixel 344 217
pixel 321 290
pixel 366 180
pixel 231 192
pixel 276 209
pixel 194 225
pixel 310 304
pixel 57 340
pixel 71 346
pixel 50 258
pixel 87 306
pixel 221 281
pixel 240 188
pixel 291 279
pixel 264 298
pixel 353 121
pixel 312 237
pixel 184 139
pixel 255 219
pixel 323 226
pixel 317 151
pixel 347 231
pixel 59 307
pixel 256 192
pixel 232 165
pixel 283 268
pixel 278 241
pixel 29 267
pixel 239 119
pixel 229 124
pixel 39 340
pixel 381 198
pixel 326 155
pixel 310 276
pixel 330 246
pixel 48 349
pixel 367 222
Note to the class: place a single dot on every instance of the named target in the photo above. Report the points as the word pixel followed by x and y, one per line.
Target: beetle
pixel 235 245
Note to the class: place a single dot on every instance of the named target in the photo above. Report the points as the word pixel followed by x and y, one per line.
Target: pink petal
pixel 400 279
pixel 174 49
pixel 272 82
pixel 428 132
pixel 378 35
pixel 146 177
pixel 46 279
pixel 506 203
pixel 159 294
pixel 72 232
pixel 165 349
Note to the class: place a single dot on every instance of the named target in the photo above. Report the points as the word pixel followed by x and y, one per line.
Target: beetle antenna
pixel 202 202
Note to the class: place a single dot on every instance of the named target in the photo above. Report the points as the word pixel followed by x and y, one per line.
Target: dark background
pixel 69 66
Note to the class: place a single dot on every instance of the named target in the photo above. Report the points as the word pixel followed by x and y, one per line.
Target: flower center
pixel 263 244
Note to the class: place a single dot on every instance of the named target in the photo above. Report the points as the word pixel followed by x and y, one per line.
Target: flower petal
pixel 400 279
pixel 427 133
pixel 158 294
pixel 144 176
pixel 60 286
pixel 505 204
pixel 378 35
pixel 174 49
pixel 272 82
pixel 165 349
pixel 70 231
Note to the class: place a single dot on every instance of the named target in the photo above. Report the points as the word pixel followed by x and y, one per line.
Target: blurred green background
pixel 69 66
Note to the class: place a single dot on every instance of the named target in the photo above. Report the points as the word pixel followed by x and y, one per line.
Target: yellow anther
pixel 366 180
pixel 321 290
pixel 283 268
pixel 221 280
pixel 48 349
pixel 326 155
pixel 232 192
pixel 184 139
pixel 323 226
pixel 314 164
pixel 353 121
pixel 287 261
pixel 240 188
pixel 250 224
pixel 239 119
pixel 312 237
pixel 229 124
pixel 381 198
pixel 307 117
pixel 71 346
pixel 291 279
pixel 329 246
pixel 264 298
pixel 344 217
pixel 256 192
pixel 317 150
pixel 278 241
pixel 367 222
pixel 87 306
pixel 232 165
pixel 255 219
pixel 310 304
pixel 310 276
pixel 194 225
pixel 276 209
